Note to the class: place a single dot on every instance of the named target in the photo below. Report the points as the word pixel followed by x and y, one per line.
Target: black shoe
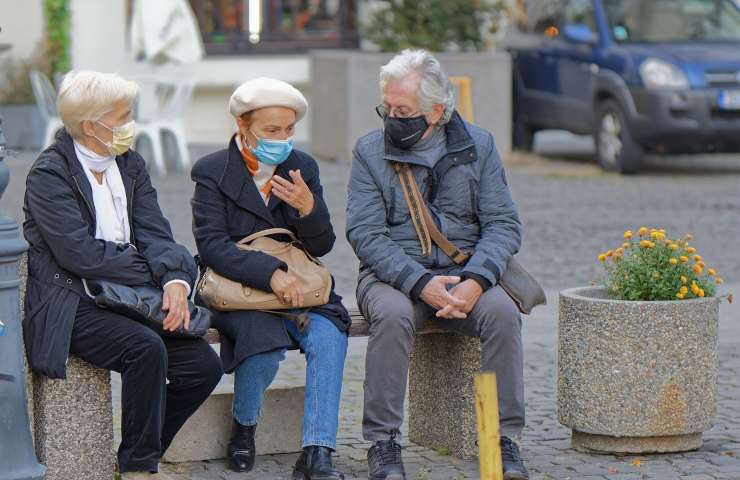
pixel 384 461
pixel 241 448
pixel 514 468
pixel 315 464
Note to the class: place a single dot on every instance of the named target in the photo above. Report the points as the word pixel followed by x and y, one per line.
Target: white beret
pixel 267 92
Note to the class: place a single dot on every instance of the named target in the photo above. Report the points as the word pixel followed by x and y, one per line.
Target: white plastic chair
pixel 46 98
pixel 159 114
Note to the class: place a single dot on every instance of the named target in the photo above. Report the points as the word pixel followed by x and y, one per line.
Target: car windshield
pixel 657 21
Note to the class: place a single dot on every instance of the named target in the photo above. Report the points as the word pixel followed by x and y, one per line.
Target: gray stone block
pixel 206 434
pixel 73 423
pixel 636 377
pixel 345 91
pixel 441 395
pixel 71 419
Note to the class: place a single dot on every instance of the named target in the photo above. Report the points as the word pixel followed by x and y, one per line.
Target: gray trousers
pixel 394 318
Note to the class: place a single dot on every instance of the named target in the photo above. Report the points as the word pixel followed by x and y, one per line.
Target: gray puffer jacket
pixel 468 197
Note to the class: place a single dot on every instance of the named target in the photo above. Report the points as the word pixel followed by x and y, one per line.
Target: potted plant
pixel 23 126
pixel 344 83
pixel 637 357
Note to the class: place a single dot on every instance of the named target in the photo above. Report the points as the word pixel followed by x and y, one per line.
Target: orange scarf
pixel 252 164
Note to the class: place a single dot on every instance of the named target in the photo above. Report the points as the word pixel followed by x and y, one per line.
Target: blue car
pixel 659 76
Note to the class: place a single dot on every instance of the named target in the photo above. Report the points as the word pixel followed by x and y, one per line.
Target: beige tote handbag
pixel 220 293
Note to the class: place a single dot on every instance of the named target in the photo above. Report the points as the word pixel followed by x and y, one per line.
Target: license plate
pixel 728 99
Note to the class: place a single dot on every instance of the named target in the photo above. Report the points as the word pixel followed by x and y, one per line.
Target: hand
pixel 175 302
pixel 287 287
pixel 296 194
pixel 435 295
pixel 470 291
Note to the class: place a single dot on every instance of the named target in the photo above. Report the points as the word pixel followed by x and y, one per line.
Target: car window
pixel 549 17
pixel 655 21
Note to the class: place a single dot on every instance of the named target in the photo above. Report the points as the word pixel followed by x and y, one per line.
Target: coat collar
pixel 458 139
pixel 238 185
pixel 126 165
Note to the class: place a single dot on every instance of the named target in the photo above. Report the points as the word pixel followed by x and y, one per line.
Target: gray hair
pixel 88 95
pixel 434 86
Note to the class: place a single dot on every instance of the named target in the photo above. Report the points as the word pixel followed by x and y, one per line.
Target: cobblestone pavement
pixel 571 211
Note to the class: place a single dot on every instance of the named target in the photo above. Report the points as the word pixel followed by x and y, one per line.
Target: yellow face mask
pixel 123 138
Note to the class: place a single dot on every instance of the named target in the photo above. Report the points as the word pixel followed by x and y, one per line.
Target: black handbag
pixel 144 304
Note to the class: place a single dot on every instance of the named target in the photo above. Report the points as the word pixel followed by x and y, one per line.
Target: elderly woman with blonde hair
pixel 92 214
pixel 259 181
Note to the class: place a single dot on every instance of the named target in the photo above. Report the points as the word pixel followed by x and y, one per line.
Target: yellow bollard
pixel 486 409
pixel 464 97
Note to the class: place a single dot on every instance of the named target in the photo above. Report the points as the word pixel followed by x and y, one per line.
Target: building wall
pixel 22 26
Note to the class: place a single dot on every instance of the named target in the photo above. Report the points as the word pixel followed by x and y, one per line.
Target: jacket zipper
pixel 130 209
pixel 84 198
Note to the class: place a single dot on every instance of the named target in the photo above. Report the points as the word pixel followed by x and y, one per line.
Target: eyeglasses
pixel 383 112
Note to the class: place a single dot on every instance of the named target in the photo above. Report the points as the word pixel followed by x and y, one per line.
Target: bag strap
pixel 416 203
pixel 266 233
pixel 414 208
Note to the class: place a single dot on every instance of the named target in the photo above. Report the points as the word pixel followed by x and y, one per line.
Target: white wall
pixel 22 24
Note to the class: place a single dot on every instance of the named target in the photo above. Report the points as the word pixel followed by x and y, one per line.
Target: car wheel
pixel 616 149
pixel 523 136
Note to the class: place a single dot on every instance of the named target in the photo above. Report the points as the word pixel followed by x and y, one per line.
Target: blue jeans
pixel 325 348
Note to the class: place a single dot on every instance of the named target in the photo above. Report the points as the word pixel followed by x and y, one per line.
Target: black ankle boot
pixel 241 448
pixel 315 464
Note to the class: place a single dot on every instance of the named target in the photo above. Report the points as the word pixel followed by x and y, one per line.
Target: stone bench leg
pixel 73 423
pixel 441 395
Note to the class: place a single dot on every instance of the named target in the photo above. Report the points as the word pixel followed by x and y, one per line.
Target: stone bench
pixel 73 427
pixel 441 408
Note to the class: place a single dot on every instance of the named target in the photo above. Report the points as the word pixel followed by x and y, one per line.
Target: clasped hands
pixel 455 303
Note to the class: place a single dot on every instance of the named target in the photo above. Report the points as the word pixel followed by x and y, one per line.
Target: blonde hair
pixel 88 95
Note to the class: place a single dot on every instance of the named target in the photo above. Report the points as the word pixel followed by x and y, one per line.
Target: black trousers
pixel 164 380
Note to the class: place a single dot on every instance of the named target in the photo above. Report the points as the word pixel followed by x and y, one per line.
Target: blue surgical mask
pixel 271 152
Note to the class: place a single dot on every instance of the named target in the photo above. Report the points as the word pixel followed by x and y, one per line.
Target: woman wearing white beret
pixel 259 182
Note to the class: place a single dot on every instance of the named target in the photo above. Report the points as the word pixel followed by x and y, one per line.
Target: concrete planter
pixel 636 377
pixel 345 91
pixel 23 126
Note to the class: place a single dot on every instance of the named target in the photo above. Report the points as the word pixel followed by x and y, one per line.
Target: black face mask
pixel 403 133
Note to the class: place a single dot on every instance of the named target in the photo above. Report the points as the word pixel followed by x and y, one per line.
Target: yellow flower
pixel 701 264
pixel 697 258
pixel 689 237
pixel 680 296
pixel 618 252
pixel 628 234
pixel 642 231
pixel 655 234
pixel 602 257
pixel 609 253
pixel 712 272
pixel 698 269
pixel 625 245
pixel 673 247
pixel 683 290
pixel 662 230
pixel 684 280
pixel 701 293
pixel 695 289
pixel 683 259
pixel 673 261
pixel 691 250
pixel 719 281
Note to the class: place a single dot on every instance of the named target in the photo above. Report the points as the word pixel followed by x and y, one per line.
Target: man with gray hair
pixel 404 282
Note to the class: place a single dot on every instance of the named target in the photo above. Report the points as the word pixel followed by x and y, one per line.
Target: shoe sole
pixel 302 476
pixel 516 476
